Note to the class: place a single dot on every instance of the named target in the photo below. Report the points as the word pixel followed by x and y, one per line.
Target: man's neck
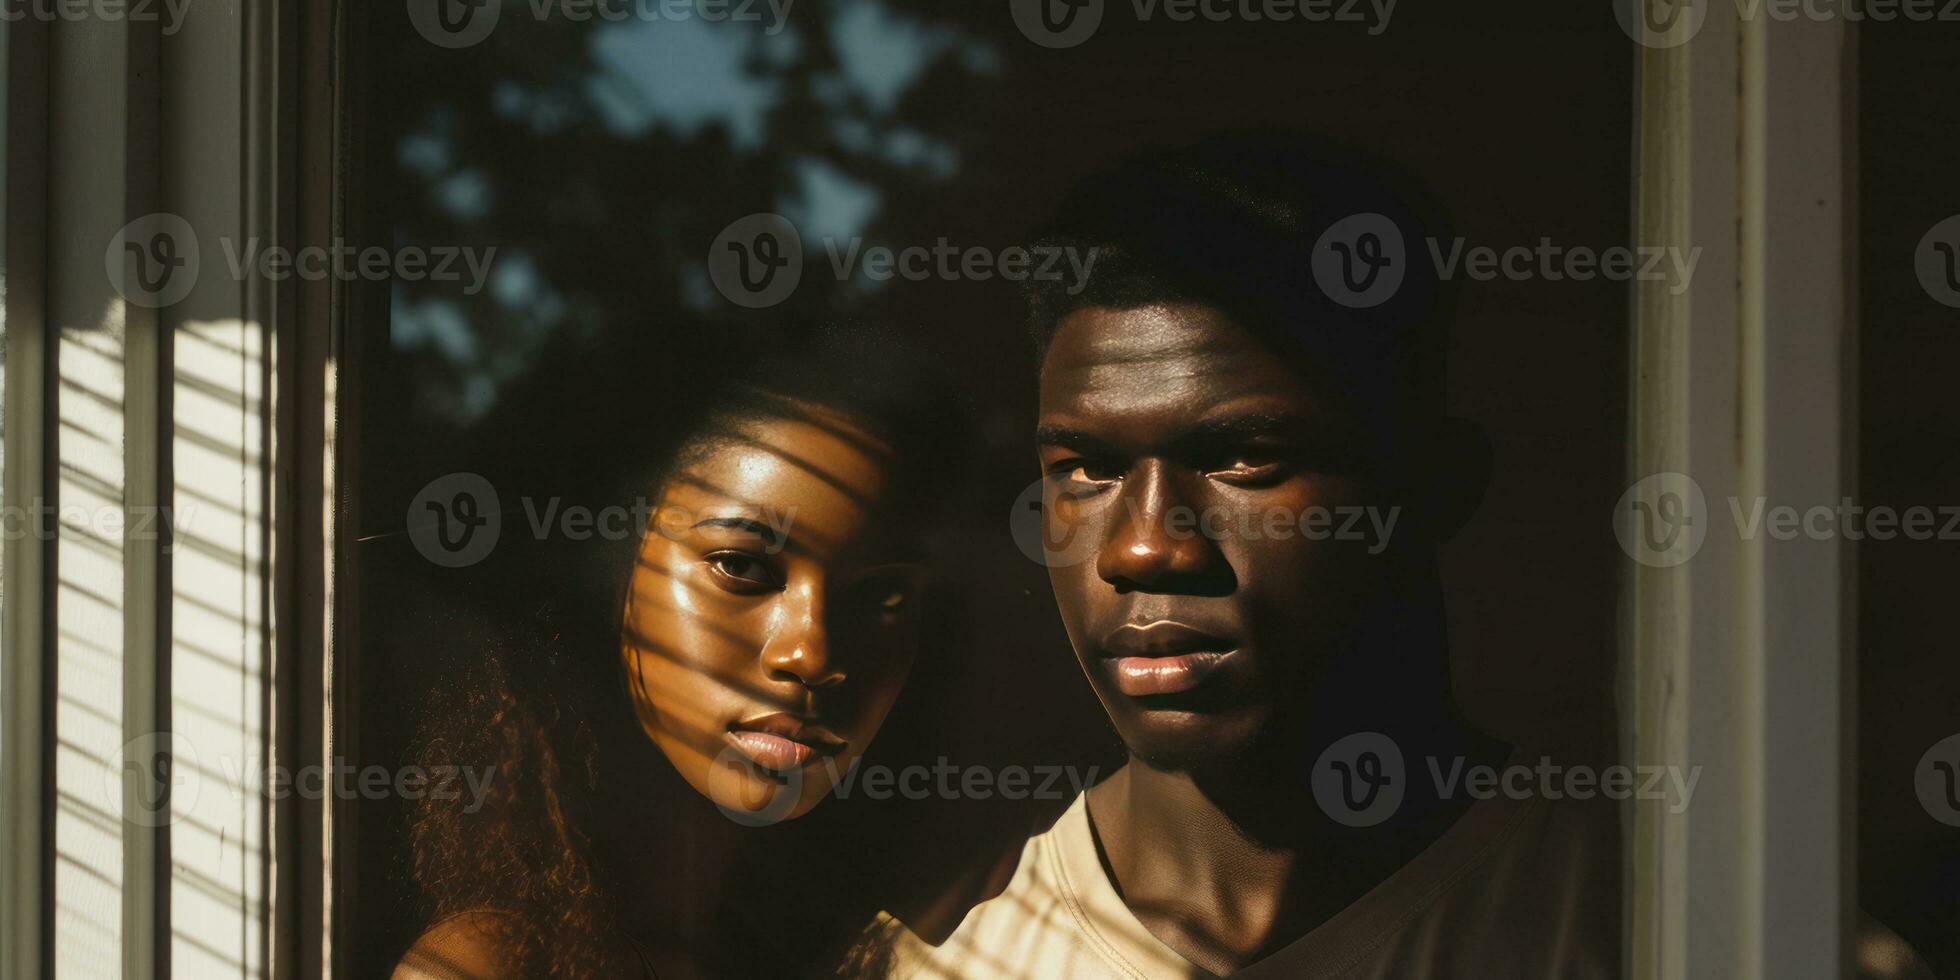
pixel 1228 864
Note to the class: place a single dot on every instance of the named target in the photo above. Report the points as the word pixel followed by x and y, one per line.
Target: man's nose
pixel 1144 552
pixel 800 649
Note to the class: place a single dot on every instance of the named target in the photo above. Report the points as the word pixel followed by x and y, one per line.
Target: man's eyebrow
pixel 1072 439
pixel 755 527
pixel 1248 426
pixel 1333 444
pixel 1231 428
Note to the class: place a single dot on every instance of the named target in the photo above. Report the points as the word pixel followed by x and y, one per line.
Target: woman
pixel 650 774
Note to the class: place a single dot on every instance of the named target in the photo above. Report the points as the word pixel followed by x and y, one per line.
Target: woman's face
pixel 769 624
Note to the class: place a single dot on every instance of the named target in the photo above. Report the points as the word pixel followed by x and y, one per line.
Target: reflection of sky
pixel 686 74
pixel 829 203
pixel 685 77
pixel 681 75
pixel 882 54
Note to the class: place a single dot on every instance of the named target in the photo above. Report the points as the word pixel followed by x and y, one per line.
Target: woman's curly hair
pixel 520 853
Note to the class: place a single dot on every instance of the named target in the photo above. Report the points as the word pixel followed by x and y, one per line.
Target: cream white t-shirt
pixel 1515 888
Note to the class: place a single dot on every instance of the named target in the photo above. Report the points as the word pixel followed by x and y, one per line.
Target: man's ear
pixel 1460 475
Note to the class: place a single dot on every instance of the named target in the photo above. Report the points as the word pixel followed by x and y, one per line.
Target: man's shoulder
pixel 1012 881
pixel 1527 879
pixel 1029 920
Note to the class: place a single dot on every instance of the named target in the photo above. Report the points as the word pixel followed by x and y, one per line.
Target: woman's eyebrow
pixel 774 537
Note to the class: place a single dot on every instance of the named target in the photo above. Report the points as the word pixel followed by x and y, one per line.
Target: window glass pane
pixel 1908 485
pixel 610 200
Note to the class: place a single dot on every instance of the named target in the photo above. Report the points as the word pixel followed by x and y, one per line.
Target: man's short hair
pixel 1232 223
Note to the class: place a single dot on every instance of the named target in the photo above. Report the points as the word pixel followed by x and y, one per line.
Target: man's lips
pixel 1163 657
pixel 782 742
pixel 1144 676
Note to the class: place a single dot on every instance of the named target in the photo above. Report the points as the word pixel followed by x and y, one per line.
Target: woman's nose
pixel 800 649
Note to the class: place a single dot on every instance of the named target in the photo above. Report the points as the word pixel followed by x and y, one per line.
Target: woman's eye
pixel 887 598
pixel 743 574
pixel 891 607
pixel 887 594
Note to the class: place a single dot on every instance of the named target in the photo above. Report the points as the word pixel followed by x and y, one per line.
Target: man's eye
pixel 1249 467
pixel 1082 474
pixel 743 574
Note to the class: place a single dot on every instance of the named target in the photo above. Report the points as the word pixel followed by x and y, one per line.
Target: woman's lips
pixel 782 743
pixel 772 751
pixel 1144 676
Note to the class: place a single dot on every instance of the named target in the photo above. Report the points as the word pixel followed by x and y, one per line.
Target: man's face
pixel 1208 486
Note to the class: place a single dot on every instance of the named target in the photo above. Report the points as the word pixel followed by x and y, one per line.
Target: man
pixel 1248 471
pixel 1249 453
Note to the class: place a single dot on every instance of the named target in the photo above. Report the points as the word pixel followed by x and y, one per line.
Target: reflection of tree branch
pixel 615 224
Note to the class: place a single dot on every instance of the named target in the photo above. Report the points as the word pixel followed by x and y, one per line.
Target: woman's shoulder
pixel 466 946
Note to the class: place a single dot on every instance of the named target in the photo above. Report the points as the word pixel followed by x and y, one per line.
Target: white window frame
pixel 1741 660
pixel 229 122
